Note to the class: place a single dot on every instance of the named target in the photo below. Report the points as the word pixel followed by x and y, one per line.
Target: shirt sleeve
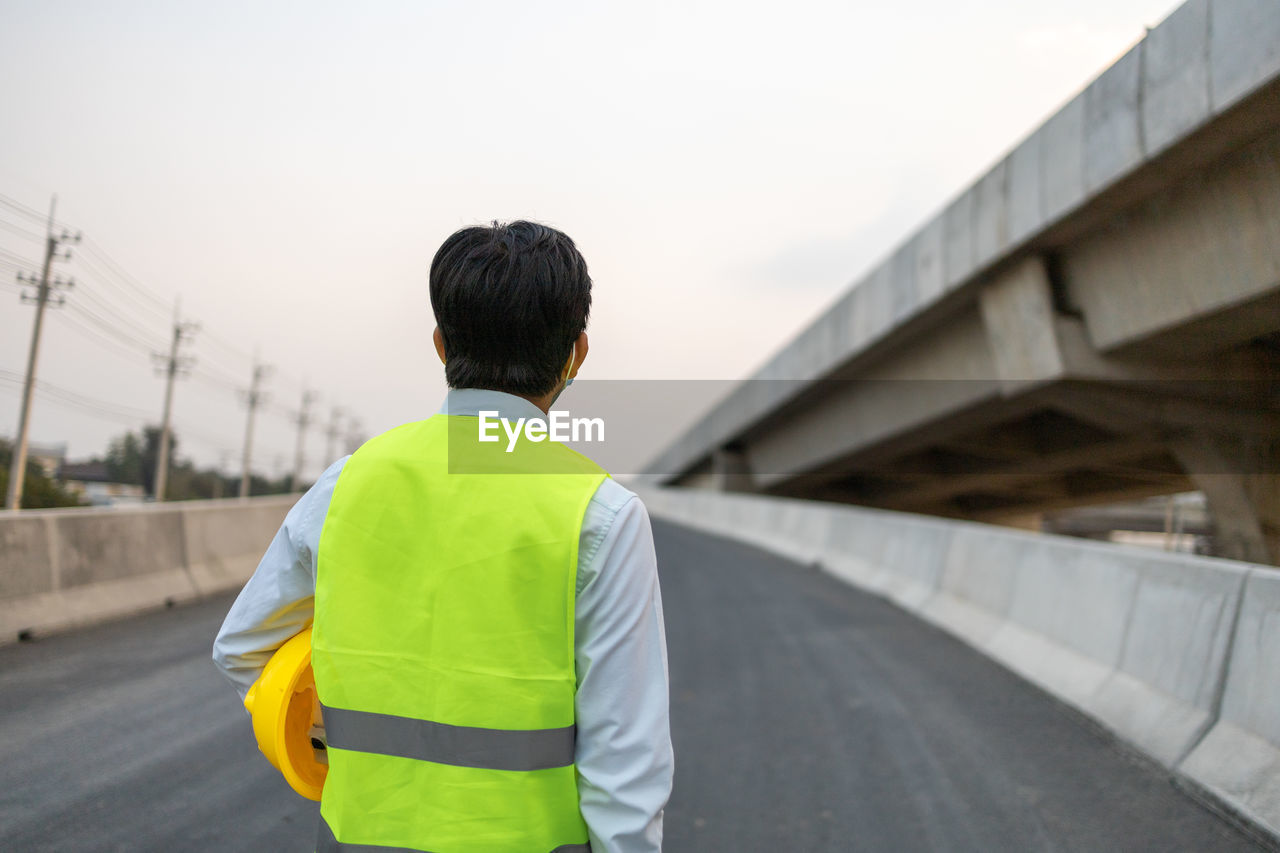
pixel 624 756
pixel 279 599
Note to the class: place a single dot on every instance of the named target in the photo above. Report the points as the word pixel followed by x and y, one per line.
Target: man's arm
pixel 279 600
pixel 624 756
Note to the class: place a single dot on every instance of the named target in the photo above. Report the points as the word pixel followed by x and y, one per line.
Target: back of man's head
pixel 510 301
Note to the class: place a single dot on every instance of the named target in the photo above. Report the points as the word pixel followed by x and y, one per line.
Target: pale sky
pixel 289 169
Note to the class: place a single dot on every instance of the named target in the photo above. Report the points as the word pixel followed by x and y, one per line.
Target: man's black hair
pixel 510 300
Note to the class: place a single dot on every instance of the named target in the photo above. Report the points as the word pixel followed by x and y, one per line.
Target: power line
pixel 216 381
pixel 145 297
pixel 277 409
pixel 228 347
pixel 222 368
pixel 100 306
pixel 102 340
pixel 209 440
pixel 74 399
pixel 27 210
pixel 83 402
pixel 109 274
pixel 26 262
pixel 87 403
pixel 105 326
pixel 108 411
pixel 142 290
pixel 221 376
pixel 105 311
pixel 99 260
pixel 100 275
pixel 20 231
pixel 77 398
pixel 127 420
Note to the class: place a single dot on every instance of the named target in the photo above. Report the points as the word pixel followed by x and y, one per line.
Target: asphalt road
pixel 806 716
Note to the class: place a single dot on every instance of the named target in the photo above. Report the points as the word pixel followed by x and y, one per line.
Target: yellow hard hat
pixel 286 717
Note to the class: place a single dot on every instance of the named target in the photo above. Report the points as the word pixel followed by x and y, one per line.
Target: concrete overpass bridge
pixel 1096 319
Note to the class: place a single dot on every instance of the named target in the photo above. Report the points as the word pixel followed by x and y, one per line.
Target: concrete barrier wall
pixel 1177 655
pixel 1239 759
pixel 68 567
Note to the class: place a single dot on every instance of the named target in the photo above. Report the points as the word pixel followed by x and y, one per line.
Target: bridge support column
pixel 1241 484
pixel 731 471
pixel 1021 325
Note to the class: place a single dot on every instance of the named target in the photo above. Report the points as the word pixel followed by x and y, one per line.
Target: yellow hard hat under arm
pixel 285 713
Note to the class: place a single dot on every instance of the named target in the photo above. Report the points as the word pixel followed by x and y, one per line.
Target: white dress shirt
pixel 623 756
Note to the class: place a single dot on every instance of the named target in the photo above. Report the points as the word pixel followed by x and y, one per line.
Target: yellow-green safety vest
pixel 443 644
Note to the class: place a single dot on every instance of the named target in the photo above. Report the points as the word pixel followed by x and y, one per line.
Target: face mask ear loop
pixel 568 380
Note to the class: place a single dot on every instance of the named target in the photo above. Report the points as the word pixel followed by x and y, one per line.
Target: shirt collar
pixel 470 402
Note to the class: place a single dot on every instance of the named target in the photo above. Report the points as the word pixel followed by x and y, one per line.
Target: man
pixel 488 643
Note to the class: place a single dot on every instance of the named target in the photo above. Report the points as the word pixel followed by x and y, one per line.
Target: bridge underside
pixel 1133 350
pixel 1071 444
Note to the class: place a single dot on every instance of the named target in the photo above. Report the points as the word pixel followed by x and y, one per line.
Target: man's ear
pixel 438 338
pixel 580 349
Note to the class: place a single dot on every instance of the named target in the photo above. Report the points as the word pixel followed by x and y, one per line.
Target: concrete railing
pixel 66 567
pixel 1177 655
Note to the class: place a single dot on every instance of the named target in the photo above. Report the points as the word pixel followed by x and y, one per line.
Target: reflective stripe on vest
pixel 443 643
pixel 462 746
pixel 327 843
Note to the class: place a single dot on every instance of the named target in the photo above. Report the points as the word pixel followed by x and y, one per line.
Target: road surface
pixel 807 716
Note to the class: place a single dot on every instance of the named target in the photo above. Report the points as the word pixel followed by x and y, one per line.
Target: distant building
pixel 90 482
pixel 1178 522
pixel 48 456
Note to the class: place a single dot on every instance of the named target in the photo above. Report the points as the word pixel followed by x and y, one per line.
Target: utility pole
pixel 171 365
pixel 303 421
pixel 333 433
pixel 254 397
pixel 224 457
pixel 44 287
pixel 354 436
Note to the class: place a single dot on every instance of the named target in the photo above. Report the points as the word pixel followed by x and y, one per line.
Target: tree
pixel 124 460
pixel 131 458
pixel 38 491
